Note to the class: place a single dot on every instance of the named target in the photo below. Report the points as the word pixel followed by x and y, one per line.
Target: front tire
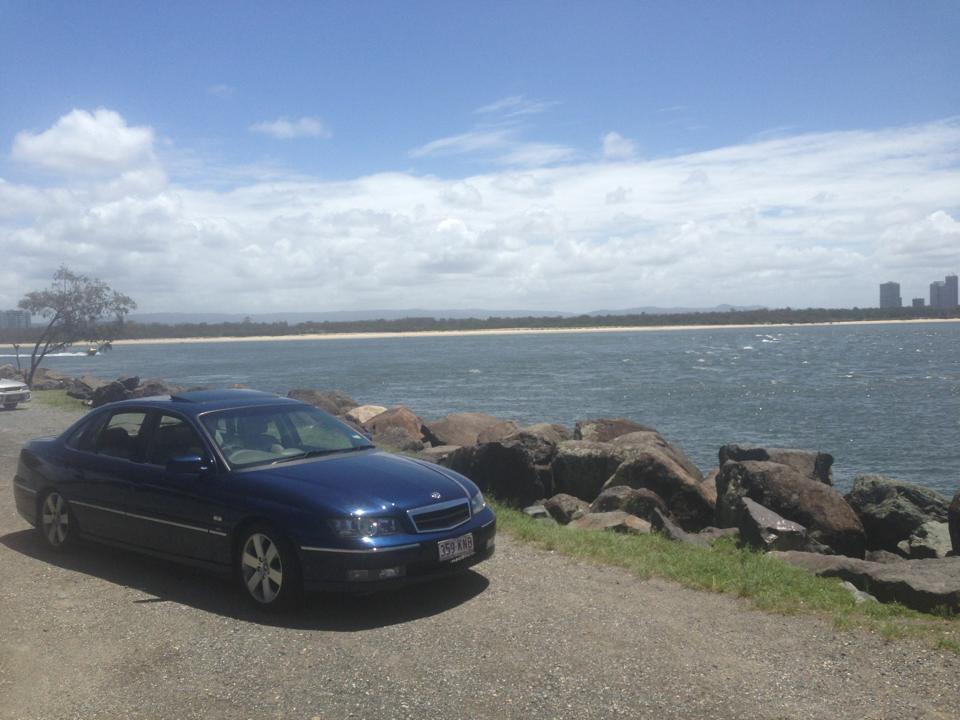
pixel 56 525
pixel 268 569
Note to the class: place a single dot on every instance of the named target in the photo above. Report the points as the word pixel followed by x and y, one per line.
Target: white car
pixel 13 392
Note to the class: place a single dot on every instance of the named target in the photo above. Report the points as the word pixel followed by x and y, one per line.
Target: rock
pixel 506 473
pixel 859 596
pixel 538 512
pixel 111 392
pixel 151 388
pixel 334 402
pixel 606 429
pixel 763 529
pixel 469 429
pixel 646 440
pixel 539 440
pixel 397 427
pixel 439 453
pixel 397 438
pixel 931 540
pixel 811 464
pixel 581 467
pixel 793 496
pixel 640 502
pixel 712 534
pixel 82 388
pixel 563 507
pixel 882 556
pixel 666 527
pixel 362 413
pixel 708 488
pixel 892 510
pixel 953 519
pixel 9 372
pixel 615 520
pixel 129 382
pixel 925 585
pixel 44 379
pixel 656 471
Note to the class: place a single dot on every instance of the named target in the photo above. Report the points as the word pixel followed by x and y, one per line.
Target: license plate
pixel 455 548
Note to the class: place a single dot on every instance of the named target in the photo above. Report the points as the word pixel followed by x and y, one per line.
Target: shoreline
pixel 513 331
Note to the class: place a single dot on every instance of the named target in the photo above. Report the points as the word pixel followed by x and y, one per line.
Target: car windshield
pixel 266 435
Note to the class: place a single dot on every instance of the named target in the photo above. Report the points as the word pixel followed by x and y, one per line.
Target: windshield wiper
pixel 319 453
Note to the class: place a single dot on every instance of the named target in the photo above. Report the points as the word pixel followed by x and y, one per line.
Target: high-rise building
pixel 890 295
pixel 14 319
pixel 943 293
pixel 951 291
pixel 918 302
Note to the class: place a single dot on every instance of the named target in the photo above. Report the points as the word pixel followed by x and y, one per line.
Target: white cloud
pixel 286 129
pixel 617 147
pixel 815 219
pixel 515 106
pixel 86 143
pixel 466 143
pixel 222 91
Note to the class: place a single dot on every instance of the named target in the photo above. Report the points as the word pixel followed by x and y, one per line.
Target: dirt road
pixel 100 633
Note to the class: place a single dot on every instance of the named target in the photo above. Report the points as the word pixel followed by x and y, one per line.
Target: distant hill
pixel 653 310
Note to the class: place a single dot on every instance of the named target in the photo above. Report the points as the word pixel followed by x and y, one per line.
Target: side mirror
pixel 187 465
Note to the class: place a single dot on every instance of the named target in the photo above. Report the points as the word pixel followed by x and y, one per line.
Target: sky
pixel 269 157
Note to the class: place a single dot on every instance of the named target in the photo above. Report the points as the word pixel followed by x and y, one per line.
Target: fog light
pixel 376 574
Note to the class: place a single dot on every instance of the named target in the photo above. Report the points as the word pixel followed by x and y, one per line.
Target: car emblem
pixel 435 495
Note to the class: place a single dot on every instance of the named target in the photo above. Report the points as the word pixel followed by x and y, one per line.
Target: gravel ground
pixel 99 633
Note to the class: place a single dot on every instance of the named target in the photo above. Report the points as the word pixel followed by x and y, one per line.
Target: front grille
pixel 441 516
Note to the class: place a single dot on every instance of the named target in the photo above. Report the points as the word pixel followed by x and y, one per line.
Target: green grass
pixel 769 584
pixel 58 399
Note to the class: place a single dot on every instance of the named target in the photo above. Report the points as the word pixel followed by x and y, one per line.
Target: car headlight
pixel 477 503
pixel 363 526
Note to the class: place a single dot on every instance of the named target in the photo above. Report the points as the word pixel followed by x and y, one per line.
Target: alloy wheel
pixel 55 520
pixel 262 568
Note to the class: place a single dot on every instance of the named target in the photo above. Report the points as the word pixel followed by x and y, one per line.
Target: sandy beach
pixel 515 331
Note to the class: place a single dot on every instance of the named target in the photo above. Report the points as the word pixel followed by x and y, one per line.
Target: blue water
pixel 880 398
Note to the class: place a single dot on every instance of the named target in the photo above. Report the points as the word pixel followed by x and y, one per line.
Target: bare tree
pixel 76 308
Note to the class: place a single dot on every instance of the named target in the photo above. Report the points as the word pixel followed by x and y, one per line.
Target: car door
pixel 173 512
pixel 104 458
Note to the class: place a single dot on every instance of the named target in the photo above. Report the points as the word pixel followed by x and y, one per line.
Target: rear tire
pixel 268 569
pixel 56 524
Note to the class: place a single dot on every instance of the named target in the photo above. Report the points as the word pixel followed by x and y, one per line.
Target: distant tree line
pixel 155 331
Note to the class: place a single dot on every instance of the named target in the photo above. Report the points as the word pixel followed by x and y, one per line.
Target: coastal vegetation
pixel 131 330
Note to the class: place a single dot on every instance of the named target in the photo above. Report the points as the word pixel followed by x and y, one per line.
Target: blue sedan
pixel 281 494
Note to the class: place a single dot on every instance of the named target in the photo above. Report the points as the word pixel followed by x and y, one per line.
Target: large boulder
pixel 708 488
pixel 925 585
pixel 9 372
pixel 666 527
pixel 45 379
pixel 82 388
pixel 111 392
pixel 362 413
pixel 931 540
pixel 811 464
pixel 468 428
pixel 397 427
pixel 640 502
pixel 606 429
pixel 438 453
pixel 891 510
pixel 506 473
pixel 563 508
pixel 657 472
pixel 150 388
pixel 651 440
pixel 581 467
pixel 615 520
pixel 953 518
pixel 763 529
pixel 794 496
pixel 539 440
pixel 334 402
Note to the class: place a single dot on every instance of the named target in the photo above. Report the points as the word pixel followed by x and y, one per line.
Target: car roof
pixel 194 402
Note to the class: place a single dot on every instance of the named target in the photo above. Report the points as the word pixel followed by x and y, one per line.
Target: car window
pixel 261 435
pixel 84 436
pixel 121 436
pixel 174 437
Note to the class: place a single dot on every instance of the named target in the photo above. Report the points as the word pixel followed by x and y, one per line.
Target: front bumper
pixel 329 569
pixel 14 396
